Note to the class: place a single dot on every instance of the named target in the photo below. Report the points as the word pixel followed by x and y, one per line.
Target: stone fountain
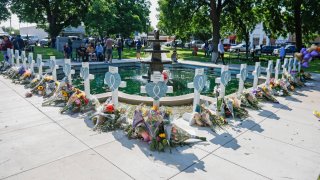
pixel 156 62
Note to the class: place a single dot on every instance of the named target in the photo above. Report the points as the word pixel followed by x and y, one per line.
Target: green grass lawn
pixel 186 54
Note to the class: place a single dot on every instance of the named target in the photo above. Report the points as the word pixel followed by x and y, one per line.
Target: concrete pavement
pixel 281 141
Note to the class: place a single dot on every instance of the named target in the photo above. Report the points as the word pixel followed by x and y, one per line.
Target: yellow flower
pixel 40 88
pixel 292 87
pixel 48 78
pixel 162 135
pixel 64 93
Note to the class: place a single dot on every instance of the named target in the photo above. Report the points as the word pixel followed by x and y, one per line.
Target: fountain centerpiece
pixel 156 62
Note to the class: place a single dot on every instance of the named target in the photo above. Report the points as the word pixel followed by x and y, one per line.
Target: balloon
pixel 302 50
pixel 318 49
pixel 298 56
pixel 305 64
pixel 314 53
pixel 305 52
pixel 307 57
pixel 313 47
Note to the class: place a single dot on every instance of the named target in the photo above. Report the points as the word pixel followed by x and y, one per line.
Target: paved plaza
pixel 281 141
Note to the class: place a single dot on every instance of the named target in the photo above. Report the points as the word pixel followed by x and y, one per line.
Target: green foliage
pixel 5 14
pixel 185 19
pixel 107 17
pixel 298 17
pixel 53 15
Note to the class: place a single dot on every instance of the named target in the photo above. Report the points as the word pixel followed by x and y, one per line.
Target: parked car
pixel 266 49
pixel 168 44
pixel 197 43
pixel 290 49
pixel 45 42
pixel 30 39
pixel 239 48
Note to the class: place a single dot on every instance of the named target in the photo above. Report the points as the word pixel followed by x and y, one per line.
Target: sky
pixel 15 20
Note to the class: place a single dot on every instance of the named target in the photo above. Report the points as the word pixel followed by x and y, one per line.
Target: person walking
pixel 282 53
pixel 221 52
pixel 138 46
pixel 119 48
pixel 109 43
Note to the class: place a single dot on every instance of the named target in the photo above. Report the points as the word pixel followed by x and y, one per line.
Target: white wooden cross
pixel 290 65
pixel 284 67
pixel 277 69
pixel 157 88
pixel 24 60
pixel 299 66
pixel 269 72
pixel 17 57
pixel 256 74
pixel 223 80
pixel 294 66
pixel 84 73
pixel 31 62
pixel 67 70
pixel 113 80
pixel 53 67
pixel 242 76
pixel 198 85
pixel 39 64
pixel 11 57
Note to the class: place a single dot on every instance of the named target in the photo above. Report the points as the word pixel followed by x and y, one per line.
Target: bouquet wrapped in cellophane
pixel 26 77
pixel 107 117
pixel 61 94
pixel 279 87
pixel 264 94
pixel 44 87
pixel 154 126
pixel 206 117
pixel 249 100
pixel 78 102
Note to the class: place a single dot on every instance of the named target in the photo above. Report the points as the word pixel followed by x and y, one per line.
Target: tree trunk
pixel 247 44
pixel 215 18
pixel 297 23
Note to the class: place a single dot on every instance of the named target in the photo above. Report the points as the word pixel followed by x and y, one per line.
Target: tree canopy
pixel 52 15
pixel 123 17
pixel 5 14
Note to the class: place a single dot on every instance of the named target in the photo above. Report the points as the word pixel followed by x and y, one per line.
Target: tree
pixel 299 17
pixel 5 14
pixel 199 25
pixel 241 17
pixel 182 11
pixel 52 15
pixel 118 17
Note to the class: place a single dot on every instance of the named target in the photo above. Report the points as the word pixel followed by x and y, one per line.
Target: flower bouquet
pixel 151 126
pixel 78 102
pixel 108 118
pixel 61 94
pixel 4 66
pixel 206 117
pixel 249 100
pixel 264 94
pixel 232 107
pixel 26 77
pixel 279 87
pixel 304 75
pixel 40 88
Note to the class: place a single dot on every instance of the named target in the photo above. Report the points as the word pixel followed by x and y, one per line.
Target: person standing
pixel 109 43
pixel 67 51
pixel 282 53
pixel 18 44
pixel 138 46
pixel 5 44
pixel 70 47
pixel 119 48
pixel 99 51
pixel 221 52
